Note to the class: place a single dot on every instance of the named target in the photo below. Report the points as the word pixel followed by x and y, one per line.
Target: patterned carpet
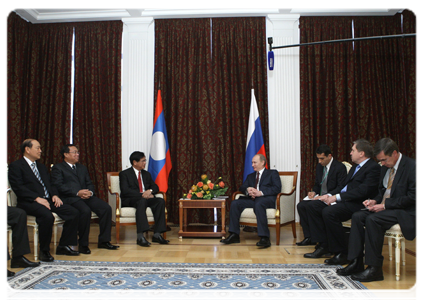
pixel 75 275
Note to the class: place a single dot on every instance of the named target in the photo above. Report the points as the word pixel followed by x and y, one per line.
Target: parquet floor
pixel 210 250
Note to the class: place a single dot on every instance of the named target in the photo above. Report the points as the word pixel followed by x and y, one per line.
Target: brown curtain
pixel 239 64
pixel 206 69
pixel 38 87
pixel 183 73
pixel 325 90
pixel 97 107
pixel 364 89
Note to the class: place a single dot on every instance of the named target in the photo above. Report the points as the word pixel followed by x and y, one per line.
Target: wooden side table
pixel 201 231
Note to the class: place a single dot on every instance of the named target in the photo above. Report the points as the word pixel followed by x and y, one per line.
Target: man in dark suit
pixel 394 204
pixel 137 189
pixel 30 181
pixel 330 179
pixel 16 219
pixel 76 189
pixel 261 186
pixel 326 219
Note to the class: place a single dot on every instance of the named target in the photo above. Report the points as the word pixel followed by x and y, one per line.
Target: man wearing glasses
pixel 76 189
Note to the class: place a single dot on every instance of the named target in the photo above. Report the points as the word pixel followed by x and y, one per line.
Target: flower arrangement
pixel 205 189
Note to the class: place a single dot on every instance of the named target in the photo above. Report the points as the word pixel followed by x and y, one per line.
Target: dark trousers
pixel 302 207
pixel 45 220
pixel 368 231
pixel 325 223
pixel 104 213
pixel 259 206
pixel 157 206
pixel 16 218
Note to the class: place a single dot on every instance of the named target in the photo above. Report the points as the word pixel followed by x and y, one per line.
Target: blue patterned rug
pixel 76 275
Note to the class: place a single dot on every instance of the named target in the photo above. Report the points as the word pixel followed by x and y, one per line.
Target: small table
pixel 201 231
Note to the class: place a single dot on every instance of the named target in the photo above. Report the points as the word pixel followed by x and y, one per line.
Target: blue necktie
pixel 355 171
pixel 34 169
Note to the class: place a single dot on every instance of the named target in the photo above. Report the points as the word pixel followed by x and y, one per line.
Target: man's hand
pixel 253 193
pixel 328 199
pixel 57 201
pixel 43 201
pixel 369 203
pixel 84 194
pixel 147 194
pixel 311 195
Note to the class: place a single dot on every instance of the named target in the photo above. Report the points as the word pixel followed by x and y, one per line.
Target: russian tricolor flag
pixel 255 143
pixel 159 164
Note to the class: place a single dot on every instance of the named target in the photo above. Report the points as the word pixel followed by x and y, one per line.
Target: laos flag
pixel 255 143
pixel 159 164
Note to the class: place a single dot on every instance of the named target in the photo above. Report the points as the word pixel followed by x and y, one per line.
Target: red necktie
pixel 139 181
pixel 257 179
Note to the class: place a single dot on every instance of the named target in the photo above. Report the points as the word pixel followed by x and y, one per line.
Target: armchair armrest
pixel 235 194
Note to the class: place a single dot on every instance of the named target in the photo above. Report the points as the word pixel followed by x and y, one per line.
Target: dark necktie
pixel 323 189
pixel 74 169
pixel 139 182
pixel 34 169
pixel 257 180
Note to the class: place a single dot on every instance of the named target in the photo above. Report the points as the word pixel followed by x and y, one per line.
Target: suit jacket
pixel 403 195
pixel 25 184
pixel 129 187
pixel 363 185
pixel 269 184
pixel 68 183
pixel 335 180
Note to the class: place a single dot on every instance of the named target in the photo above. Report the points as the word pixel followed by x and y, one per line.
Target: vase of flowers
pixel 205 189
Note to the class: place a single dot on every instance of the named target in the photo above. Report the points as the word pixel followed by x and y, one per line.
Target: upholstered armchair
pixel 284 211
pixel 123 216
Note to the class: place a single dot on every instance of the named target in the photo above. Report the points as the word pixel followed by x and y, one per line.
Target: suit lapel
pixel 398 174
pixel 27 169
pixel 69 168
pixel 263 176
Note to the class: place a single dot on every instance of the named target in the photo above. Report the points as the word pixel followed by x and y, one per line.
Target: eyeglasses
pixel 74 152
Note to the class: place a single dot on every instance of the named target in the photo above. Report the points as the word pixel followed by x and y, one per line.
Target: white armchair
pixel 284 211
pixel 123 216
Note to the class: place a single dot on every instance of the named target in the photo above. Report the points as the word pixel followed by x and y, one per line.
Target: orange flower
pixel 189 196
pixel 211 185
pixel 221 184
pixel 199 195
pixel 200 184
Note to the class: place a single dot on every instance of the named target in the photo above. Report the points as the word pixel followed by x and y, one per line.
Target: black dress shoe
pixel 107 245
pixel 22 262
pixel 372 273
pixel 84 250
pixel 338 259
pixel 305 242
pixel 159 240
pixel 318 253
pixel 10 273
pixel 46 256
pixel 143 242
pixel 264 242
pixel 66 250
pixel 355 266
pixel 231 239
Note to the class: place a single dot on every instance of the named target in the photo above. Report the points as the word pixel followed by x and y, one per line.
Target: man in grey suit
pixel 76 189
pixel 137 190
pixel 326 219
pixel 394 204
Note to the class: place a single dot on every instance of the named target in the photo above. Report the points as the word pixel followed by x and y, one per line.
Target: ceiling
pixel 82 15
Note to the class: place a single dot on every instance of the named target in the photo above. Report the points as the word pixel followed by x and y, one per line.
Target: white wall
pixel 283 91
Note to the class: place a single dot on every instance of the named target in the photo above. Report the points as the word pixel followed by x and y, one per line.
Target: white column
pixel 284 95
pixel 137 86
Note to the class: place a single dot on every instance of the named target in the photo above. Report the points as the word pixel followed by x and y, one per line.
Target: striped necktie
pixel 35 170
pixel 387 193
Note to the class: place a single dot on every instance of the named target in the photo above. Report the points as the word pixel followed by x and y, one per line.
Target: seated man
pixel 16 218
pixel 330 179
pixel 30 181
pixel 137 189
pixel 261 186
pixel 76 189
pixel 394 204
pixel 326 219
